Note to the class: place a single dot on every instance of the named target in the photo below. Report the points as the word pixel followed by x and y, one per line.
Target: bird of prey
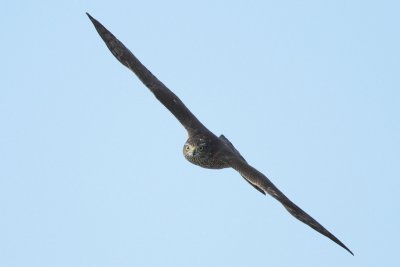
pixel 203 148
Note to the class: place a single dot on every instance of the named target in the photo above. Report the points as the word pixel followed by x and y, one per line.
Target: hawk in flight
pixel 202 147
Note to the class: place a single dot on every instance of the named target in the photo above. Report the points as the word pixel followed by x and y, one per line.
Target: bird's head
pixel 195 148
pixel 203 151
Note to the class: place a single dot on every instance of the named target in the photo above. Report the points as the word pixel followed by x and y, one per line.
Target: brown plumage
pixel 203 148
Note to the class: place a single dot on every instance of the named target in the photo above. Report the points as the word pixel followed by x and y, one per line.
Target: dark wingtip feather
pixel 94 21
pixel 343 246
pixel 349 251
pixel 114 45
pixel 90 17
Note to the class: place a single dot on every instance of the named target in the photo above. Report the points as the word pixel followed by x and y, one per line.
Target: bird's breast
pixel 209 163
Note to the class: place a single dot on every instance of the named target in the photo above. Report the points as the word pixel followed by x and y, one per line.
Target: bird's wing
pixel 237 154
pixel 161 92
pixel 262 183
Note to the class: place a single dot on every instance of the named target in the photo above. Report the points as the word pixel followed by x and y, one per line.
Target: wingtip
pixel 343 246
pixel 90 17
pixel 346 248
pixel 95 22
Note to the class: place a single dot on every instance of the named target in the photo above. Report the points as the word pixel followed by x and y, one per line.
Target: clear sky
pixel 91 164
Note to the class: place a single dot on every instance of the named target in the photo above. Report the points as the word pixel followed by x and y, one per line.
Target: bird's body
pixel 207 151
pixel 203 148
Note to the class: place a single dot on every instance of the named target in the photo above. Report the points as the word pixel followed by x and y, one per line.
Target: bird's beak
pixel 193 151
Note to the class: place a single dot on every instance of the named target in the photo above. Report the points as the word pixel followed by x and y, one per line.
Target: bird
pixel 203 148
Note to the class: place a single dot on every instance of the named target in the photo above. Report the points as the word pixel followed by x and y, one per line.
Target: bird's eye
pixel 187 147
pixel 201 148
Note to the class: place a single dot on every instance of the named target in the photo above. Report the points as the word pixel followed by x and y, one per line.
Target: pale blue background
pixel 91 170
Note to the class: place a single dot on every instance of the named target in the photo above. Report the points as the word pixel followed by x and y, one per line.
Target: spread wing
pixel 161 92
pixel 263 184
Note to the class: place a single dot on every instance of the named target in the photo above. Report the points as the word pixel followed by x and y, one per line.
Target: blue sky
pixel 91 168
